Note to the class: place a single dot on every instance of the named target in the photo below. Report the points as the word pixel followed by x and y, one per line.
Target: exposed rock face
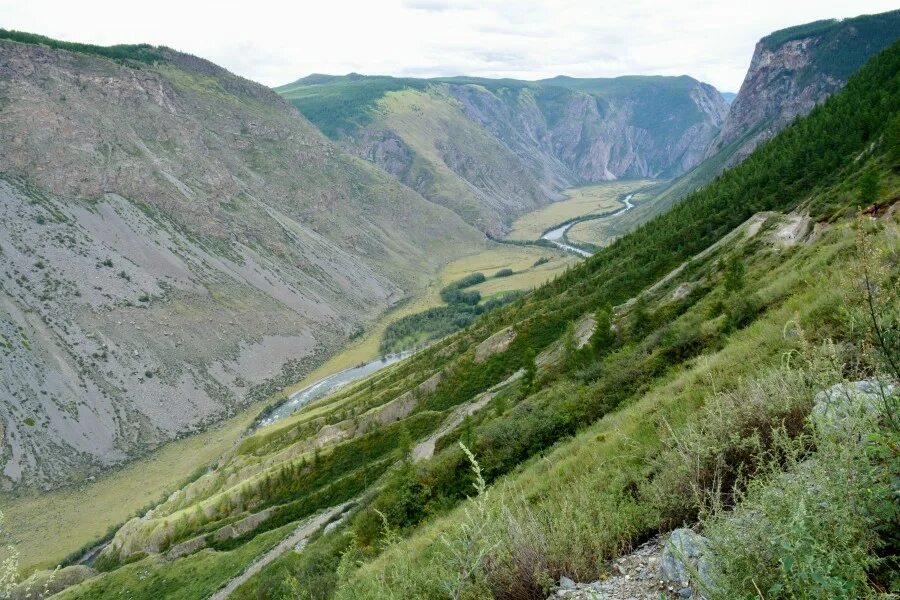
pixel 840 404
pixel 771 97
pixel 794 70
pixel 660 568
pixel 176 241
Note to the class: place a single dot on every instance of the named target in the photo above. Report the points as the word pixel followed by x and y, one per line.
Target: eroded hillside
pixel 177 242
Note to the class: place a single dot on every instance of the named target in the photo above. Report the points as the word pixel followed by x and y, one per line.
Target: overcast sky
pixel 277 42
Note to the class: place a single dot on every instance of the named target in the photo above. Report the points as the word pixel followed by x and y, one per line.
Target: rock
pixel 834 407
pixel 683 558
pixel 566 584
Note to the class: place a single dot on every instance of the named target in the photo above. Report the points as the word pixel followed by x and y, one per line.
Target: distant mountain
pixel 728 97
pixel 490 149
pixel 176 241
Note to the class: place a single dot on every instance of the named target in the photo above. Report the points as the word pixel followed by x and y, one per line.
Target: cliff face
pixel 174 242
pixel 492 149
pixel 792 71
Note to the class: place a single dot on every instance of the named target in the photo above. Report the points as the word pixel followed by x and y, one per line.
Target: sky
pixel 277 42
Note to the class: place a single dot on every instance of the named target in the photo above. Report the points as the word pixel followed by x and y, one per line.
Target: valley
pixel 598 199
pixel 361 337
pixel 117 495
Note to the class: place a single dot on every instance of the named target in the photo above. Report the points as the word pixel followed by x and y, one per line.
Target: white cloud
pixel 276 42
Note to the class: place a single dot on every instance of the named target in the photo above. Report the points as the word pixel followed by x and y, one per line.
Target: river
pixel 325 386
pixel 556 235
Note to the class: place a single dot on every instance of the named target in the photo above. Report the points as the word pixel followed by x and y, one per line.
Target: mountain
pixel 176 242
pixel 492 149
pixel 792 71
pixel 728 97
pixel 717 366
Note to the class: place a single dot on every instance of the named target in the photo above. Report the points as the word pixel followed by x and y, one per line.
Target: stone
pixel 834 407
pixel 566 584
pixel 683 558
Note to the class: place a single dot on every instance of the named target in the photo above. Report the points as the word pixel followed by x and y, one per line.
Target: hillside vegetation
pixel 667 380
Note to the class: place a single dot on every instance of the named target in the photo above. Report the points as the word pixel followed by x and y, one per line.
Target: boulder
pixel 834 408
pixel 684 559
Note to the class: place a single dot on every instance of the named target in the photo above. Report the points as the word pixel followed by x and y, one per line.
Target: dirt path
pixel 302 532
pixel 425 449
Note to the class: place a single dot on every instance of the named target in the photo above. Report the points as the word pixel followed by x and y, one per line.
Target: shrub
pixel 812 531
pixel 503 273
pixel 734 436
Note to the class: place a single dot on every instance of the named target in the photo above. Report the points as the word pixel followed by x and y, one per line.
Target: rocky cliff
pixel 176 241
pixel 792 71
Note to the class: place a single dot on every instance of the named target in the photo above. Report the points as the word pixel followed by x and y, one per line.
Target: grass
pixel 581 201
pixel 195 576
pixel 526 276
pixel 50 526
pixel 591 497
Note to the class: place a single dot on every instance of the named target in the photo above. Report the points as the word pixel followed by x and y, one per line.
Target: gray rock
pixel 566 584
pixel 684 558
pixel 834 407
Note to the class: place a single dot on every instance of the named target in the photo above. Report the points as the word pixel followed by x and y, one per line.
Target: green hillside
pixel 667 380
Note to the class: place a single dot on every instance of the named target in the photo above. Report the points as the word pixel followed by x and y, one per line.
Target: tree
pixel 603 338
pixel 868 186
pixel 404 443
pixel 734 274
pixel 530 371
pixel 570 345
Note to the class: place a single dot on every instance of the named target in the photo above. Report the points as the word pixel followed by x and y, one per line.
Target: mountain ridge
pixel 524 141
pixel 176 199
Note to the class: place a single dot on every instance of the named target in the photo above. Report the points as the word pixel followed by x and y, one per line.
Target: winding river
pixel 325 386
pixel 335 381
pixel 557 234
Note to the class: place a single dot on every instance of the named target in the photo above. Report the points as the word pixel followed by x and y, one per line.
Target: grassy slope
pixel 789 290
pixel 50 526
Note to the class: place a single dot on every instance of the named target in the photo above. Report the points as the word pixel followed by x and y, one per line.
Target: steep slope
pixel 743 276
pixel 795 69
pixel 176 242
pixel 491 149
pixel 792 71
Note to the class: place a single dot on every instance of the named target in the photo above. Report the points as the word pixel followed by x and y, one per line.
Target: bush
pixel 503 273
pixel 812 531
pixel 734 435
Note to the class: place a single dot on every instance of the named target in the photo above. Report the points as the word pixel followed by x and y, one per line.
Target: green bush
pixel 812 526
